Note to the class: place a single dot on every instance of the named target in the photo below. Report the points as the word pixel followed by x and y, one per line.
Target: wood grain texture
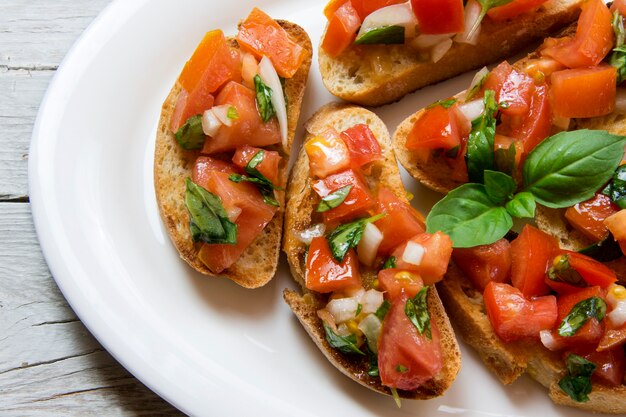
pixel 50 365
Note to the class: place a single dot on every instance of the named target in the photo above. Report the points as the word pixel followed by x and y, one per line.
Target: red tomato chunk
pixel 357 202
pixel 324 274
pixel 485 263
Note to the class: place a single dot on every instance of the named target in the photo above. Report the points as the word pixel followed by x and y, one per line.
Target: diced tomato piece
pixel 437 249
pixel 324 274
pixel 436 128
pixel 394 281
pixel 593 40
pixel 592 271
pixel 537 125
pixel 617 225
pixel 514 8
pixel 327 154
pixel 588 217
pixel 254 216
pixel 458 164
pixel 406 358
pixel 357 202
pixel 341 30
pixel 362 145
pixel 189 105
pixel 269 167
pixel 247 128
pixel 401 221
pixel 513 317
pixel 212 64
pixel 262 36
pixel 591 332
pixel 511 86
pixel 439 16
pixel 619 5
pixel 613 337
pixel 485 263
pixel 584 92
pixel 531 253
pixel 204 165
pixel 332 6
pixel 610 364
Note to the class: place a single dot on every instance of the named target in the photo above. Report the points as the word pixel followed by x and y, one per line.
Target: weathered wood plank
pixel 49 362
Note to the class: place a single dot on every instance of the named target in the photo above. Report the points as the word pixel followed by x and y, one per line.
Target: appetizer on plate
pixel 365 264
pixel 222 148
pixel 374 52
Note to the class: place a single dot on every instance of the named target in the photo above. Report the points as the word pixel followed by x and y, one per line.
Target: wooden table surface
pixel 50 365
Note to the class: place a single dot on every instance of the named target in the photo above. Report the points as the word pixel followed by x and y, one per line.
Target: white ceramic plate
pixel 206 345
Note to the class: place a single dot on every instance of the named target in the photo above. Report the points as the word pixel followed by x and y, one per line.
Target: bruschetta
pixel 375 52
pixel 366 267
pixel 223 144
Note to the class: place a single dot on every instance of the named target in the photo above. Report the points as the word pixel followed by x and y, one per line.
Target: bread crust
pixel 359 75
pixel 257 265
pixel 301 202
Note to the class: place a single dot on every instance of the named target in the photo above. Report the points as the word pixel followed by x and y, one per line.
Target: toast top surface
pixel 172 165
pixel 302 200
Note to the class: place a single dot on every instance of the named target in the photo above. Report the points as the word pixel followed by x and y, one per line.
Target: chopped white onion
pixel 413 253
pixel 548 340
pixel 270 78
pixel 371 327
pixel 473 109
pixel 342 309
pixel 307 235
pixel 478 78
pixel 616 299
pixel 210 123
pixel 440 50
pixel 221 112
pixel 371 301
pixel 472 13
pixel 428 41
pixel 395 15
pixel 368 246
pixel 620 100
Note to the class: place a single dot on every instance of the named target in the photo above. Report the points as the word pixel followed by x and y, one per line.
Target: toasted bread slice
pixel 373 75
pixel 301 203
pixel 172 165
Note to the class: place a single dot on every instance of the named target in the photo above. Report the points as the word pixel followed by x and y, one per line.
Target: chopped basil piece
pixel 604 251
pixel 389 263
pixel 480 154
pixel 208 222
pixel 373 369
pixel 263 99
pixel 505 159
pixel 446 104
pixel 384 35
pixel 344 344
pixel 232 113
pixel 190 135
pixel 359 308
pixel 401 368
pixel 348 236
pixel 499 186
pixel 577 382
pixel 334 199
pixel 265 186
pixel 593 307
pixel 616 188
pixel 416 309
pixel 523 205
pixel 477 87
pixel 562 271
pixel 381 312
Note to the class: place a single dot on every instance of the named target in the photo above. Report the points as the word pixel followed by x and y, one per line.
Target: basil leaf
pixel 381 312
pixel 251 169
pixel 593 307
pixel 190 135
pixel 344 344
pixel 480 155
pixel 577 382
pixel 486 5
pixel 504 159
pixel 499 186
pixel 469 217
pixel 232 113
pixel 401 368
pixel 333 199
pixel 416 309
pixel 386 35
pixel 562 271
pixel 446 104
pixel 389 263
pixel 348 236
pixel 373 369
pixel 263 99
pixel 522 205
pixel 208 222
pixel 616 188
pixel 570 167
pixel 604 251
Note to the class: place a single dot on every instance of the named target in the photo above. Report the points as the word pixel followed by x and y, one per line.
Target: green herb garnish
pixel 263 99
pixel 401 368
pixel 485 5
pixel 208 222
pixel 348 236
pixel 562 271
pixel 344 344
pixel 386 35
pixel 416 309
pixel 190 135
pixel 616 188
pixel 577 382
pixel 265 186
pixel 333 199
pixel 382 311
pixel 446 104
pixel 232 113
pixel 389 263
pixel 581 313
pixel 480 154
